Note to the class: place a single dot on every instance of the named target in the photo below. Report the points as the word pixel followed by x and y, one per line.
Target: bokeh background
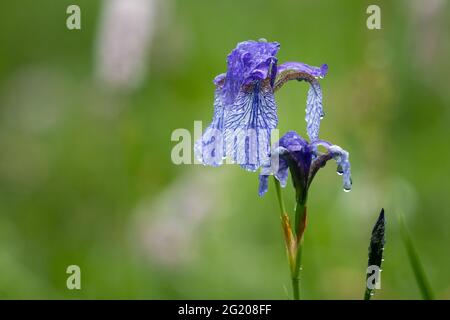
pixel 86 176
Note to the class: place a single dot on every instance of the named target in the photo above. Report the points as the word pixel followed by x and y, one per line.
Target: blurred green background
pixel 86 176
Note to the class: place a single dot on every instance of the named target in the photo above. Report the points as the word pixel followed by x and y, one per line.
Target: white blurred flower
pixel 165 227
pixel 428 34
pixel 124 38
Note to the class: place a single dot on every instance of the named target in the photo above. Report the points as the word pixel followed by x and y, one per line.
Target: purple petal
pixel 263 184
pixel 299 155
pixel 342 159
pixel 219 79
pixel 302 68
pixel 248 126
pixel 314 110
pixel 249 61
pixel 209 149
pixel 283 172
pixel 278 167
pixel 292 141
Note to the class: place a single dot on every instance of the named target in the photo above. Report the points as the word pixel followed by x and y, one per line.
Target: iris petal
pixel 299 70
pixel 209 149
pixel 263 184
pixel 278 167
pixel 314 110
pixel 248 126
pixel 342 159
pixel 249 61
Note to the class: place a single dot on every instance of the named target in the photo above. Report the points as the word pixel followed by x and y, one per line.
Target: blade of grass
pixel 415 262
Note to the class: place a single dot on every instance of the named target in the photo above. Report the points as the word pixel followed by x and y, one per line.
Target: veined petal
pixel 210 149
pixel 314 109
pixel 248 126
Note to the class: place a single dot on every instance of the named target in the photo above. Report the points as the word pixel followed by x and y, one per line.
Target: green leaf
pixel 415 262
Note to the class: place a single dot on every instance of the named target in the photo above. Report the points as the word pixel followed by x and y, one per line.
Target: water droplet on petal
pixel 262 40
pixel 346 189
pixel 339 170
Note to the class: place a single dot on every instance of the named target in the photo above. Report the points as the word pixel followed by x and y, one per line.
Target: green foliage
pixel 416 264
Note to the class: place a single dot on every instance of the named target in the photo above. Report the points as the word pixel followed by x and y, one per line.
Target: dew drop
pixel 262 40
pixel 346 189
pixel 322 115
pixel 371 293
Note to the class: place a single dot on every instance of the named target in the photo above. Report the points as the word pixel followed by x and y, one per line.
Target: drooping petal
pixel 263 184
pixel 314 109
pixel 248 126
pixel 278 167
pixel 342 159
pixel 319 159
pixel 333 152
pixel 299 71
pixel 209 149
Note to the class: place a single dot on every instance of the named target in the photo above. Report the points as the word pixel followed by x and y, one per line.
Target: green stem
pixel 293 240
pixel 296 288
pixel 280 196
pixel 292 256
pixel 300 216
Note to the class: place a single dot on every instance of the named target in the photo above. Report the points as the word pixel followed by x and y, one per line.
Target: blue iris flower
pixel 245 111
pixel 302 158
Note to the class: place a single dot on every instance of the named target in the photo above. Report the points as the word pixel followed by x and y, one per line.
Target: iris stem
pixel 300 225
pixel 293 240
pixel 280 196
